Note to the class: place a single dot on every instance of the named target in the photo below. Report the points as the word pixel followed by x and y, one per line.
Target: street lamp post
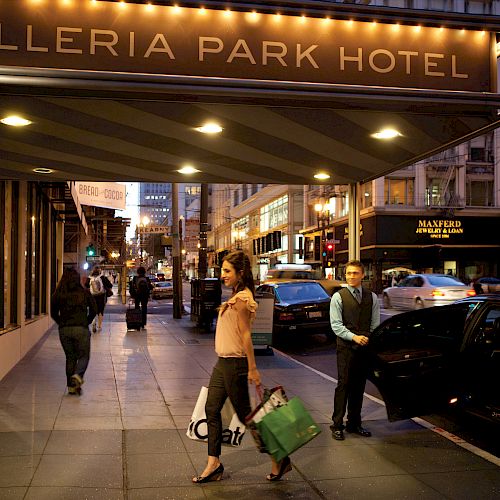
pixel 323 211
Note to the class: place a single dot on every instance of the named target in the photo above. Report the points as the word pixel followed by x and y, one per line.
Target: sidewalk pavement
pixel 124 437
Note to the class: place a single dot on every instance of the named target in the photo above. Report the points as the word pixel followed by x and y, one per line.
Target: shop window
pixel 36 234
pixel 399 191
pixel 9 209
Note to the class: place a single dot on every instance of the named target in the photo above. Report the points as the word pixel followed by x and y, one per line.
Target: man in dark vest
pixel 354 314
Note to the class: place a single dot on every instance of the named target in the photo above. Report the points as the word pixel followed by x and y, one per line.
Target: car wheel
pixel 387 301
pixel 419 304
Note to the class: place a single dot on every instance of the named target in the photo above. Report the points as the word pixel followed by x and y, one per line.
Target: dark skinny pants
pixel 229 380
pixel 352 371
pixel 75 341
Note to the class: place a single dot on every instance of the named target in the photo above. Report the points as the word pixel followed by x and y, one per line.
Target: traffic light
pixel 330 249
pixel 90 250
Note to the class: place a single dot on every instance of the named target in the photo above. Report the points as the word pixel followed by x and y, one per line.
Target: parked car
pixel 427 360
pixel 284 274
pixel 300 307
pixel 162 290
pixel 488 284
pixel 425 290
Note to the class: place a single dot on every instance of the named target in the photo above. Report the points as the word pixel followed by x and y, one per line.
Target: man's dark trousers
pixel 141 302
pixel 352 372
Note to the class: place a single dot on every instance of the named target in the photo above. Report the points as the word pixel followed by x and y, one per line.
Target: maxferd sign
pixel 163 40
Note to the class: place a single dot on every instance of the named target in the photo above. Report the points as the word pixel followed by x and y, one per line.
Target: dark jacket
pixel 135 292
pixel 73 308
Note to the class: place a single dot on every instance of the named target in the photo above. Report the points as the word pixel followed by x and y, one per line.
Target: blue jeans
pixel 75 341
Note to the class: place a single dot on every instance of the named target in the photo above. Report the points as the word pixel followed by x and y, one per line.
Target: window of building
pixel 479 185
pixel 399 191
pixel 343 205
pixel 244 192
pixel 274 214
pixel 366 195
pixel 478 6
pixel 236 197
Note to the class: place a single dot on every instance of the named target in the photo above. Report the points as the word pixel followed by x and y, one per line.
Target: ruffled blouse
pixel 228 337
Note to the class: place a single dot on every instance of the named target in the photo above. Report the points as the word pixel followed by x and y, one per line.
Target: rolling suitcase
pixel 133 317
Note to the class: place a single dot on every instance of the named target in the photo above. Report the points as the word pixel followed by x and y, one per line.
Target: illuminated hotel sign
pixel 163 40
pixel 439 228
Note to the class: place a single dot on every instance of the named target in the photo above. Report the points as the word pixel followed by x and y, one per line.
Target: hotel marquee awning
pixel 116 91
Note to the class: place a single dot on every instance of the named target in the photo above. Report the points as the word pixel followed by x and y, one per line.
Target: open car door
pixel 414 358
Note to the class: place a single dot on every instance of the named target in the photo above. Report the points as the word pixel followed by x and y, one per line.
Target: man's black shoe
pixel 337 434
pixel 359 430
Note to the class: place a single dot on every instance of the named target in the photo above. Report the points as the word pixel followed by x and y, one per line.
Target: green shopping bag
pixel 287 428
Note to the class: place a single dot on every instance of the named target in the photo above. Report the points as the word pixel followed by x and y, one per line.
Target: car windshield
pixel 301 292
pixel 444 281
pixel 163 284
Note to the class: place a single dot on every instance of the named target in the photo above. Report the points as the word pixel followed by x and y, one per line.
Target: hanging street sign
pixel 154 230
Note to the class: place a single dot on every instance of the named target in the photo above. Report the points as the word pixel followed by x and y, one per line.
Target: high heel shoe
pixel 285 466
pixel 215 475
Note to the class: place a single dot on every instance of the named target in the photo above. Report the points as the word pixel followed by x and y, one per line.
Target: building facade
pixel 439 215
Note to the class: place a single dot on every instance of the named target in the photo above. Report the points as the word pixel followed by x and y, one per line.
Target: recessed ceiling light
pixel 188 170
pixel 210 128
pixel 387 133
pixel 42 170
pixel 322 176
pixel 15 121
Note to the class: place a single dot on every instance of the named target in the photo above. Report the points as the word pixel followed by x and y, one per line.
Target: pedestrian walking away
pixel 73 308
pixel 140 289
pixel 98 285
pixel 354 314
pixel 235 366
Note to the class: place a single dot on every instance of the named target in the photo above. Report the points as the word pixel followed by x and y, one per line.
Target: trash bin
pixel 205 299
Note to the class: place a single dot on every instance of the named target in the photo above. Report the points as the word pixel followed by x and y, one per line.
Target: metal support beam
pixel 176 254
pixel 354 221
pixel 202 253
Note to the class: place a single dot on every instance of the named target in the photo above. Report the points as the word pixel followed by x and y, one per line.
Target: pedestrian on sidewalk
pixel 235 366
pixel 73 308
pixel 140 289
pixel 354 314
pixel 99 287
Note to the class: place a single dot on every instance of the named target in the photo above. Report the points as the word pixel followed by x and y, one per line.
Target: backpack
pixel 96 285
pixel 142 286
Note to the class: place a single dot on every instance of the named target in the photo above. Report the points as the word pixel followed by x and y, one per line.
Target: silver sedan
pixel 425 290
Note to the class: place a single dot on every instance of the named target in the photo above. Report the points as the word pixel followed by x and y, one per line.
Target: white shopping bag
pixel 232 429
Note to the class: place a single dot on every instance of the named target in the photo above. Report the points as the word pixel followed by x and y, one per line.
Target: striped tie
pixel 357 295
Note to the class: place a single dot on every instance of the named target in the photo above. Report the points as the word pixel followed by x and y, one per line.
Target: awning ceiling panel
pixel 101 139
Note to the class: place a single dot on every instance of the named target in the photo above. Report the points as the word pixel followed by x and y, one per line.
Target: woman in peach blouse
pixel 235 366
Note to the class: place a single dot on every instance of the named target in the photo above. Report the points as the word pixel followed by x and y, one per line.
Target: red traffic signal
pixel 329 246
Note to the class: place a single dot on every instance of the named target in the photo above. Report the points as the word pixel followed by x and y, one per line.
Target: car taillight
pixel 286 316
pixel 438 293
pixel 471 293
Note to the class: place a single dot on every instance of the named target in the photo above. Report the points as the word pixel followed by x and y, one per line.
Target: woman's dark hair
pixel 69 282
pixel 96 271
pixel 241 263
pixel 141 271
